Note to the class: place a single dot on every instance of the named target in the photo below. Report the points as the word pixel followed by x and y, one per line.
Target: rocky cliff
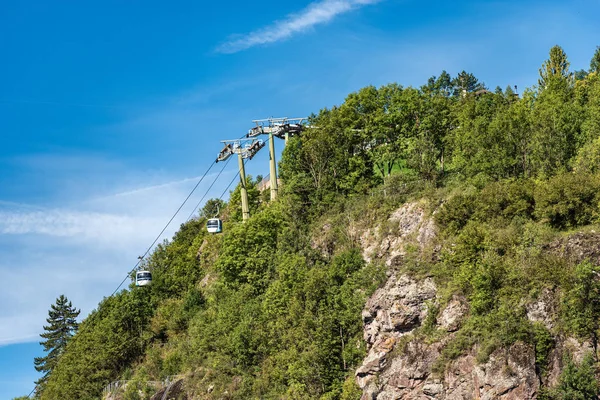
pixel 402 364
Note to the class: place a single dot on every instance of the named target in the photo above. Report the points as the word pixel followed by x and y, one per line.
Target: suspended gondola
pixel 214 225
pixel 143 278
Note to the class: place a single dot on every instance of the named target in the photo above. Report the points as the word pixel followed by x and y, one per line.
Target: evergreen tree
pixel 595 63
pixel 439 85
pixel 62 326
pixel 580 75
pixel 555 69
pixel 466 82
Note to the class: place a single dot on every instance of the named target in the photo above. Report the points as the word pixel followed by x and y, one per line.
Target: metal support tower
pixel 282 128
pixel 272 167
pixel 244 148
pixel 243 188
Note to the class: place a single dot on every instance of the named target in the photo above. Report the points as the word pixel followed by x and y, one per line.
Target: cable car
pixel 143 278
pixel 214 225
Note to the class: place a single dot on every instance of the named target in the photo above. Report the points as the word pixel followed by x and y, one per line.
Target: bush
pixel 543 343
pixel 588 157
pixel 581 304
pixel 568 200
pixel 456 212
pixel 577 382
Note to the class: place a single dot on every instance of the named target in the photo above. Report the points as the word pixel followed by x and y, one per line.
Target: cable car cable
pixel 230 183
pixel 165 228
pixel 208 190
pixel 171 220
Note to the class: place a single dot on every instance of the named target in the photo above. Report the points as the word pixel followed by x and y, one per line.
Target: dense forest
pixel 262 311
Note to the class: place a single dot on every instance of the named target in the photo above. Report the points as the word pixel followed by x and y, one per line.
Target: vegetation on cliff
pixel 272 307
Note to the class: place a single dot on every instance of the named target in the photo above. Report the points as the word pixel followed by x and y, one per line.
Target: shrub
pixel 577 382
pixel 456 212
pixel 543 343
pixel 568 200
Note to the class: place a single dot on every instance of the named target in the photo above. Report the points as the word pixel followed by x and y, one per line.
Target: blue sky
pixel 110 110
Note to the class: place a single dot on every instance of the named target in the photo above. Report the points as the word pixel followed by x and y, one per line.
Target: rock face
pixel 408 225
pixel 393 311
pixel 396 369
pixel 452 315
pixel 509 374
pixel 543 309
pixel 578 247
pixel 399 366
pixel 172 392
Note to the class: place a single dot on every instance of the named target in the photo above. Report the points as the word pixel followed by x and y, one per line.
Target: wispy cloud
pixel 83 247
pixel 154 187
pixel 316 13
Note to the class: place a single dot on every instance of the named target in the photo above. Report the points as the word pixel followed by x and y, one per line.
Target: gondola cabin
pixel 214 225
pixel 143 278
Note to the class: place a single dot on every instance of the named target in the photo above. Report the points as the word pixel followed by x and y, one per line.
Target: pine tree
pixel 555 69
pixel 466 82
pixel 595 63
pixel 62 320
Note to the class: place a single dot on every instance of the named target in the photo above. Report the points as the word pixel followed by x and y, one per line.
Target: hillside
pixel 439 242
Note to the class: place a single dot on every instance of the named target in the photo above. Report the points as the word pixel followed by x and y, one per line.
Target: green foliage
pixel 62 325
pixel 555 70
pixel 556 130
pixel 429 324
pixel 568 200
pixel 108 340
pixel 247 251
pixel 543 343
pixel 595 62
pixel 456 212
pixel 212 208
pixel 499 328
pixel 301 333
pixel 350 390
pixel 581 306
pixel 272 307
pixel 503 200
pixel 588 158
pixel 589 97
pixel 577 382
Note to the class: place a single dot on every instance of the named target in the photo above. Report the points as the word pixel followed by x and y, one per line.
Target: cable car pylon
pixel 245 149
pixel 282 128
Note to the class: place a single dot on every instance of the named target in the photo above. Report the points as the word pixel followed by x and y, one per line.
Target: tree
pixel 110 339
pixel 591 94
pixel 580 75
pixel 577 382
pixel 441 85
pixel 595 63
pixel 62 320
pixel 556 118
pixel 555 69
pixel 434 125
pixel 211 208
pixel 466 82
pixel 582 303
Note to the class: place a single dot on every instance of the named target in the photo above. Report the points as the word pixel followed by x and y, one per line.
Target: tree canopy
pixel 62 325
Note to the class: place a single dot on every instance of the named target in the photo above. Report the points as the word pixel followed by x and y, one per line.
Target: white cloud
pixel 84 247
pixel 315 14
